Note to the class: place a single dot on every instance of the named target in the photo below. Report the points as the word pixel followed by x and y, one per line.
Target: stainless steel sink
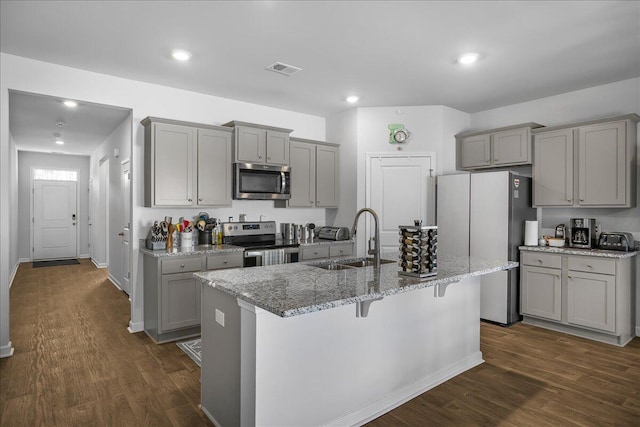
pixel 334 266
pixel 337 265
pixel 366 262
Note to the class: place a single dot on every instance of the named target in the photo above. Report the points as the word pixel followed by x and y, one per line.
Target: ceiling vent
pixel 287 70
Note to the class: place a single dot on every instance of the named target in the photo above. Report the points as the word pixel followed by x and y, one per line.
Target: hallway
pixel 76 364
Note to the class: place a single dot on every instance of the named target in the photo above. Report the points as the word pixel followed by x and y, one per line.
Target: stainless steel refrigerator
pixel 483 215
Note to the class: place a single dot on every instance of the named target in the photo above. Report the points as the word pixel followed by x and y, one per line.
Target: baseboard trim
pixel 97 264
pixel 13 273
pixel 84 256
pixel 135 327
pixel 404 394
pixel 213 420
pixel 114 281
pixel 638 331
pixel 21 260
pixel 6 350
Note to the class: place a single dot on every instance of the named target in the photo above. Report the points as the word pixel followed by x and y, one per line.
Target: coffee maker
pixel 583 233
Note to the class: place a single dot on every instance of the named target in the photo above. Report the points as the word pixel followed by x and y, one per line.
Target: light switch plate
pixel 219 317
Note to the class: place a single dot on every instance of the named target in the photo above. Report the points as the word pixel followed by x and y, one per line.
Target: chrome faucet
pixel 376 250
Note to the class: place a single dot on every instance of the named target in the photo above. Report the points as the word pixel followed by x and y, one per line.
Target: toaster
pixel 616 241
pixel 333 233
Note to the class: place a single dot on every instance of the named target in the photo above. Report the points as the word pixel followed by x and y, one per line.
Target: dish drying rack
pixel 418 250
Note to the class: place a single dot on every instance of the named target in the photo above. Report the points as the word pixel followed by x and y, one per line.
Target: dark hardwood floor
pixel 75 364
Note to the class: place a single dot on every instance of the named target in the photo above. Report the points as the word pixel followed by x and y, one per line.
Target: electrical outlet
pixel 219 317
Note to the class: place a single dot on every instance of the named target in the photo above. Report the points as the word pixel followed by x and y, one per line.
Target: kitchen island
pixel 297 344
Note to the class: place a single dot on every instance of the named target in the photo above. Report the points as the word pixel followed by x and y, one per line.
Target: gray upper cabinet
pixel 214 168
pixel 260 144
pixel 314 174
pixel 303 174
pixel 553 168
pixel 475 152
pixel 495 148
pixel 590 164
pixel 186 164
pixel 326 176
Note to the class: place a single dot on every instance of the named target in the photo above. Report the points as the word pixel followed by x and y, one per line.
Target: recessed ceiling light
pixel 353 99
pixel 181 55
pixel 468 58
pixel 59 142
pixel 70 104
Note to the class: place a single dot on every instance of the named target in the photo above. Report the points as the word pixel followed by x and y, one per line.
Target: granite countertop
pixel 191 250
pixel 298 288
pixel 576 251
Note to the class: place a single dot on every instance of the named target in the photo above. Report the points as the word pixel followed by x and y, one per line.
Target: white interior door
pixel 398 192
pixel 125 183
pixel 55 230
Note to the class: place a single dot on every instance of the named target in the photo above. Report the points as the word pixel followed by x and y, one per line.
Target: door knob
pixel 121 234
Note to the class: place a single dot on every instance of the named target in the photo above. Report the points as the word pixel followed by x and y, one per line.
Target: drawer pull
pixel 181 265
pixel 570 277
pixel 225 261
pixel 589 265
pixel 540 261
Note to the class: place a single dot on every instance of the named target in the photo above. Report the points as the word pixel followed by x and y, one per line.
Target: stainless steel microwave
pixel 261 182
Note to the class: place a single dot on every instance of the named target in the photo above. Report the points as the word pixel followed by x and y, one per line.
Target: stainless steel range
pixel 260 243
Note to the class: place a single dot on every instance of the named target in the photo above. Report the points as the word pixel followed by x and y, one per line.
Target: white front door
pixel 398 191
pixel 55 230
pixel 126 229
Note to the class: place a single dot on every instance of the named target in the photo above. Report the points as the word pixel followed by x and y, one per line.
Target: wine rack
pixel 418 250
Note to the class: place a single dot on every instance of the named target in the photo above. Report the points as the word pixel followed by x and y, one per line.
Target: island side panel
pixel 220 371
pixel 331 368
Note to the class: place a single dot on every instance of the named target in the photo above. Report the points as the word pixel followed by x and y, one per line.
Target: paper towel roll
pixel 531 233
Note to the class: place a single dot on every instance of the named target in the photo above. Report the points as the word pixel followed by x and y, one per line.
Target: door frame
pixel 361 239
pixel 129 220
pixel 32 208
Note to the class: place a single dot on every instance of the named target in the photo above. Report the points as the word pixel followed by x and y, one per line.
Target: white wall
pixel 593 103
pixel 143 99
pixel 27 160
pixel 14 200
pixel 119 139
pixel 343 129
pixel 432 129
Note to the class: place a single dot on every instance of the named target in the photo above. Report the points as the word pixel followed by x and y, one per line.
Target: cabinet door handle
pixel 259 157
pixel 582 200
pixel 200 199
pixel 570 277
pixel 557 277
pixel 189 200
pixel 569 200
pixel 589 265
pixel 540 261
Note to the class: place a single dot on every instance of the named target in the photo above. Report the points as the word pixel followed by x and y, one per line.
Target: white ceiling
pixel 35 119
pixel 388 52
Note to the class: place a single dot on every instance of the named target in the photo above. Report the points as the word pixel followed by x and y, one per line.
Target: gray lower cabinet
pixel 325 251
pixel 507 146
pixel 589 296
pixel 172 294
pixel 590 164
